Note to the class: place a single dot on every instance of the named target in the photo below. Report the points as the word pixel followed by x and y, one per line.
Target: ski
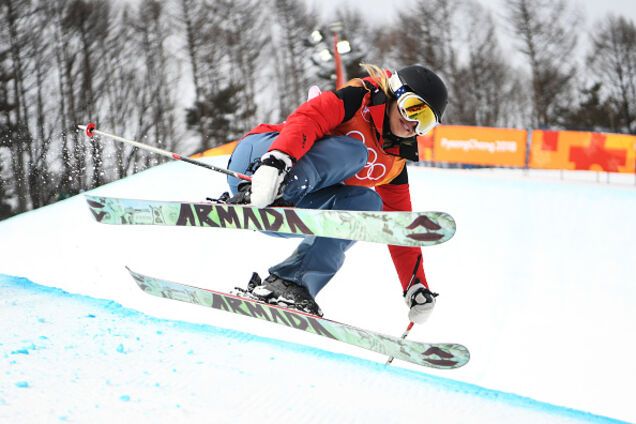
pixel 396 228
pixel 434 355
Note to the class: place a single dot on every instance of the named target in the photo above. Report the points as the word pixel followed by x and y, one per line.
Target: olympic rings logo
pixel 374 171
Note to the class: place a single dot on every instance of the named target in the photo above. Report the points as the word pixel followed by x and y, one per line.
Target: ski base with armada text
pixel 434 355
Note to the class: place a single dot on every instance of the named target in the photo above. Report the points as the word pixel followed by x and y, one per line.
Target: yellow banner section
pixel 475 145
pixel 574 150
pixel 223 149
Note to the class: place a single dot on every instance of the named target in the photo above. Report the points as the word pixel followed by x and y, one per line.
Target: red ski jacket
pixel 357 110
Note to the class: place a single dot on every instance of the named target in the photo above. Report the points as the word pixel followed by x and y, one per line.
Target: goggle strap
pixel 395 84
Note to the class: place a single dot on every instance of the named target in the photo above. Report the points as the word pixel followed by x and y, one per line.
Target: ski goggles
pixel 414 109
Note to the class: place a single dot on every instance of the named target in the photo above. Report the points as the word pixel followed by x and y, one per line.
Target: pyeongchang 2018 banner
pixel 475 145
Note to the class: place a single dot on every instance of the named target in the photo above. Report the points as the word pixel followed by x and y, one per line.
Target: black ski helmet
pixel 426 84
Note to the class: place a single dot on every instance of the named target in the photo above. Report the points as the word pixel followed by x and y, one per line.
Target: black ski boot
pixel 243 197
pixel 283 293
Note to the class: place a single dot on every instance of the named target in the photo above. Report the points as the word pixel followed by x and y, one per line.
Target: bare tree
pixel 293 26
pixel 246 37
pixel 154 30
pixel 83 63
pixel 485 90
pixel 41 181
pixel 544 29
pixel 226 63
pixel 430 39
pixel 120 81
pixel 5 140
pixel 429 33
pixel 13 14
pixel 206 43
pixel 613 64
pixel 85 24
pixel 194 19
pixel 65 110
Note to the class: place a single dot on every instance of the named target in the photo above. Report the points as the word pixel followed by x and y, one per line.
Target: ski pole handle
pixel 404 335
pixel 90 131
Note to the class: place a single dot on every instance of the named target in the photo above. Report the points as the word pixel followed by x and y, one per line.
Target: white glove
pixel 268 177
pixel 421 302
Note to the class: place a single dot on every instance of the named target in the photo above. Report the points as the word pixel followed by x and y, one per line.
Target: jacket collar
pixel 376 105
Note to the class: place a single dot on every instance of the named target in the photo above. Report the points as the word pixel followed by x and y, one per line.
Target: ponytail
pixel 379 76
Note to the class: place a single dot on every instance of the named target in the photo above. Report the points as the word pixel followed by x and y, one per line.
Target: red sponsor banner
pixel 475 145
pixel 588 151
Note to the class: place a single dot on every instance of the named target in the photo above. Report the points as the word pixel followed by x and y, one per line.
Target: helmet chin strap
pixel 390 139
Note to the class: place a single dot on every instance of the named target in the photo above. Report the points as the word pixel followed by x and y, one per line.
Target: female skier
pixel 329 154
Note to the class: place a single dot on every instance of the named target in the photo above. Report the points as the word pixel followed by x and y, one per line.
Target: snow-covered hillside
pixel 538 282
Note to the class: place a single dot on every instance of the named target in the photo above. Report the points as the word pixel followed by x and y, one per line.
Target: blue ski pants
pixel 314 182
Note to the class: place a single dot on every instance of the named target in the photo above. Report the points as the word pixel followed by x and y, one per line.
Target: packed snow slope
pixel 538 283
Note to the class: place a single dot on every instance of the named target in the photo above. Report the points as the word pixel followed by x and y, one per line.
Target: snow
pixel 538 283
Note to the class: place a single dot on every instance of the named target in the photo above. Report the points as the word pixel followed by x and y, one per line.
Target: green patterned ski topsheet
pixel 397 228
pixel 435 355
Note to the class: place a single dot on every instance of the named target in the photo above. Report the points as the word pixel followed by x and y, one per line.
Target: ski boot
pixel 276 291
pixel 243 197
pixel 240 198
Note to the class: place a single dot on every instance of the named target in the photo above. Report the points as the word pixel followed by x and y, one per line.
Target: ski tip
pixel 131 272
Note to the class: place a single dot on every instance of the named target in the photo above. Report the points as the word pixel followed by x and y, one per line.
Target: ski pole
pixel 411 323
pixel 406 333
pixel 90 131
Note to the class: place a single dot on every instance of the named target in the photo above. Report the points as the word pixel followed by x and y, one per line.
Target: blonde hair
pixel 379 76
